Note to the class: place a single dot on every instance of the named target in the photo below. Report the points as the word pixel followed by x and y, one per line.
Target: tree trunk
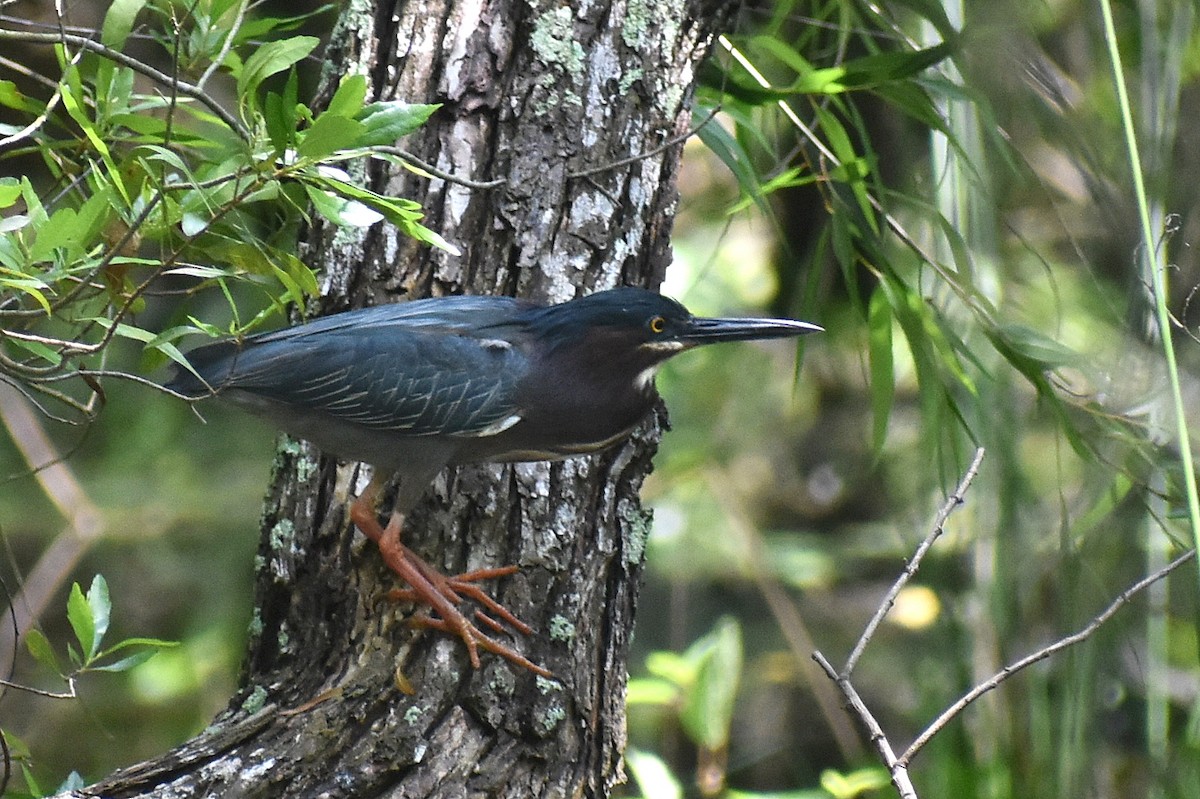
pixel 341 697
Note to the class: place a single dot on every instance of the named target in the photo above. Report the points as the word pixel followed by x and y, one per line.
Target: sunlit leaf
pixel 10 191
pixel 12 97
pixel 79 614
pixel 854 784
pixel 328 135
pixel 653 776
pixel 101 609
pixel 340 210
pixel 348 100
pixel 649 691
pixel 386 121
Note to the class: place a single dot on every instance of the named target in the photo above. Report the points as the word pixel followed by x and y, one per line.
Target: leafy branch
pixel 171 194
pixel 89 616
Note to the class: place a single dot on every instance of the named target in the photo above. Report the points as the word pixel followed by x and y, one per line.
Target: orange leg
pixel 439 592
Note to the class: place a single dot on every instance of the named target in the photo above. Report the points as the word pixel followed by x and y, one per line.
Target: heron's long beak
pixel 700 330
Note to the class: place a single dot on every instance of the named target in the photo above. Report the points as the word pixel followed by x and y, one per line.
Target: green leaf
pixel 348 100
pixel 128 662
pixel 124 331
pixel 386 121
pixel 118 22
pixel 280 115
pixel 731 153
pixel 79 614
pixel 340 211
pixel 69 229
pixel 73 100
pixel 651 691
pixel 155 643
pixel 33 204
pixel 101 609
pixel 708 704
pixel 31 783
pixel 271 58
pixel 883 382
pixel 802 793
pixel 259 27
pixel 328 135
pixel 653 775
pixel 854 784
pixel 303 276
pixel 843 147
pixel 1038 348
pixel 671 666
pixel 60 231
pixel 11 97
pixel 39 646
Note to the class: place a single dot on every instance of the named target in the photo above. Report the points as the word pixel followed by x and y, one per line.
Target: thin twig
pixel 226 46
pixel 69 694
pixel 633 159
pixel 183 88
pixel 1041 654
pixel 407 157
pixel 41 119
pixel 85 520
pixel 897 770
pixel 953 501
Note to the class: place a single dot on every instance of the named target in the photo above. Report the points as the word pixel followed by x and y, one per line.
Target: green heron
pixel 413 387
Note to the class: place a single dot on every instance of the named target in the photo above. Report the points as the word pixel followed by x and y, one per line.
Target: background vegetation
pixel 948 190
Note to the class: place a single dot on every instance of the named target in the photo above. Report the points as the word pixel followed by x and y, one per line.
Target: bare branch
pixel 412 160
pixel 68 694
pixel 226 46
pixel 633 159
pixel 897 769
pixel 953 501
pixel 1041 654
pixel 183 88
pixel 85 521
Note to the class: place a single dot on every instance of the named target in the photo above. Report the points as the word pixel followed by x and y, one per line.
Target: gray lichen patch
pixel 256 700
pixel 561 629
pixel 638 522
pixel 553 41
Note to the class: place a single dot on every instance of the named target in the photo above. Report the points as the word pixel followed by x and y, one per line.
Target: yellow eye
pixel 658 324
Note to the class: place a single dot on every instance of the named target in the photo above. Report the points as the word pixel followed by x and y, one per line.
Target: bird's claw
pixel 464 585
pixel 476 639
pixel 442 594
pixel 453 590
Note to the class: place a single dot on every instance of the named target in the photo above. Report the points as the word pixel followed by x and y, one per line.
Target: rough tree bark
pixel 340 697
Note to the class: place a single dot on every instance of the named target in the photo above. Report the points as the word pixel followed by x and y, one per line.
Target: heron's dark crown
pixel 630 313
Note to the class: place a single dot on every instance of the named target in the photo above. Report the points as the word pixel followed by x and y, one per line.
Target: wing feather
pixel 409 380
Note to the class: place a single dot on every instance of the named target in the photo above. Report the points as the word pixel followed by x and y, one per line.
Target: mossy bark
pixel 341 697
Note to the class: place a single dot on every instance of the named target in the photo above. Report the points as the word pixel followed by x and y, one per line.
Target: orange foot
pixel 442 593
